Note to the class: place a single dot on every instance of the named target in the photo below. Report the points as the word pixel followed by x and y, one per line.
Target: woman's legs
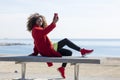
pixel 65 52
pixel 67 42
pixel 70 44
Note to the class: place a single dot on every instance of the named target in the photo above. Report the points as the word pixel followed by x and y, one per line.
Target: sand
pixel 109 69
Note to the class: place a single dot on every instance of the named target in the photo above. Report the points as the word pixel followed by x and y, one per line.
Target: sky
pixel 77 18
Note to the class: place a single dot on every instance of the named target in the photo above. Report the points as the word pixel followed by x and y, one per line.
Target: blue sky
pixel 78 18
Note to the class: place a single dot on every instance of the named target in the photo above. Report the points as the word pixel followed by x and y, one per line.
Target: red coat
pixel 42 44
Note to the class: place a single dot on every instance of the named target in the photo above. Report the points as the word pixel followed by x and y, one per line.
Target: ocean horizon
pixel 102 47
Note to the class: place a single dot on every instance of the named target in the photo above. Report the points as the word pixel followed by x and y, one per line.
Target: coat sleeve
pixel 49 28
pixel 46 30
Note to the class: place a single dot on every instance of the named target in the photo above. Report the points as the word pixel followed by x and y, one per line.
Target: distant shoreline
pixel 12 44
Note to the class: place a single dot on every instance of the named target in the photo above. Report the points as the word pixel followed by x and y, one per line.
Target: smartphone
pixel 56 14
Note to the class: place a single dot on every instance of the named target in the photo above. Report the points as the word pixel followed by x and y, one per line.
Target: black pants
pixel 66 52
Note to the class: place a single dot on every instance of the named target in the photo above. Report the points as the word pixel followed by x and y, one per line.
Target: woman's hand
pixel 55 18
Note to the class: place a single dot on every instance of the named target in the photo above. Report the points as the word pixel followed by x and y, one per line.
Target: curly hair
pixel 32 21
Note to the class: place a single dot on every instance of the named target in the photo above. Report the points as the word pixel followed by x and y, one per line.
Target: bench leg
pixel 76 72
pixel 23 71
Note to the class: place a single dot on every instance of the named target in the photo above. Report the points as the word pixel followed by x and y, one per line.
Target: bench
pixel 73 60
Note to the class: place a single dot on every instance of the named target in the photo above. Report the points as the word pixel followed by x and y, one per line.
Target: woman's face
pixel 39 21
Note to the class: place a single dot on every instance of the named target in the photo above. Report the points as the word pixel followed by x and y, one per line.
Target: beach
pixel 108 69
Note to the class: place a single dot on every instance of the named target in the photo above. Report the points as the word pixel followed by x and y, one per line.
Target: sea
pixel 102 47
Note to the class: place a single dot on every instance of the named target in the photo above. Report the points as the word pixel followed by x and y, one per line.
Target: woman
pixel 43 46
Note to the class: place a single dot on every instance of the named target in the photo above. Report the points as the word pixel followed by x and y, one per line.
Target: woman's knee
pixel 65 39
